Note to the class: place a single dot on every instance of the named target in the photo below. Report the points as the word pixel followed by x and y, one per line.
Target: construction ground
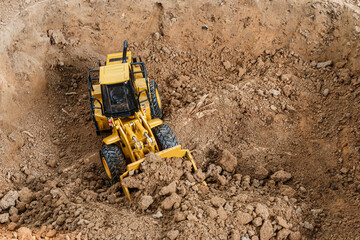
pixel 265 94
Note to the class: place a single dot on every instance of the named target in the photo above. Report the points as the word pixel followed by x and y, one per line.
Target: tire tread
pixel 165 136
pixel 115 160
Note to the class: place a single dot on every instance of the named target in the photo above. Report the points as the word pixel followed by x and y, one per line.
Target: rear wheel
pixel 165 136
pixel 113 161
pixel 155 100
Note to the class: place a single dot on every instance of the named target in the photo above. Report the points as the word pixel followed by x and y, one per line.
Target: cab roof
pixel 115 73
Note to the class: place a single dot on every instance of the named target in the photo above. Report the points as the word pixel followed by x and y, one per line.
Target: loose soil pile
pixel 264 94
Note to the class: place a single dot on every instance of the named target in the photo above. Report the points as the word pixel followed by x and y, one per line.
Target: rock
pixel 324 64
pixel 112 198
pixel 20 206
pixel 17 138
pixel 173 234
pixel 241 73
pixel 283 234
pixel 222 213
pixel 238 177
pixel 282 222
pixel 199 176
pixel 260 173
pixel 295 236
pixel 227 65
pixel 246 182
pixel 222 180
pixel 340 64
pixel 281 176
pixel 228 207
pixel 357 29
pixel 313 64
pixel 175 83
pixel 235 234
pixel 61 220
pixel 266 231
pixel 12 226
pixel 286 77
pixel 326 92
pixel 166 50
pixel 26 195
pixel 228 161
pixel 203 189
pixel 51 233
pixel 243 218
pixel 260 92
pixel 213 170
pixel 24 233
pixel 4 218
pixel 262 211
pixel 316 212
pixel 145 202
pixel 287 191
pixel 274 92
pixel 157 215
pixel 344 170
pixel 173 201
pixel 15 218
pixel 273 107
pixel 56 37
pixel 191 217
pixel 9 200
pixel 179 216
pixel 257 221
pixel 156 36
pixel 218 201
pixel 287 90
pixel 13 211
pixel 211 212
pixel 51 163
pixel 308 226
pixel 171 188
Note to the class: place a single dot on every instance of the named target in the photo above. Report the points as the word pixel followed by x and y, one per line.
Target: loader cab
pixel 119 99
pixel 117 91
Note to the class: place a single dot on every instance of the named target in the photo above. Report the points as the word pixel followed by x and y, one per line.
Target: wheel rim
pixel 158 98
pixel 106 167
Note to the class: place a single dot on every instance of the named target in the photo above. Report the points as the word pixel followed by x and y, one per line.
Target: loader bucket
pixel 167 153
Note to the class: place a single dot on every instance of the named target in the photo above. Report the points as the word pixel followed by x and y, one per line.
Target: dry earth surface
pixel 266 95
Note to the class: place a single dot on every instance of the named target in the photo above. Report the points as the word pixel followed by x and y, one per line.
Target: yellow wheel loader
pixel 125 101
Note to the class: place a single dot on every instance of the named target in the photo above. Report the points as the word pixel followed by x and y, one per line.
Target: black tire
pixel 112 156
pixel 155 100
pixel 93 119
pixel 165 136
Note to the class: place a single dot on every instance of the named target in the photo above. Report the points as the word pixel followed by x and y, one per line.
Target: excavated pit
pixel 247 87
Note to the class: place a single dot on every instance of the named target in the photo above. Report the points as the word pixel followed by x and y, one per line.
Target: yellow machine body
pixel 133 134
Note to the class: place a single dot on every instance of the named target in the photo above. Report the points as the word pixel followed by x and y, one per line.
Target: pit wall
pixel 51 33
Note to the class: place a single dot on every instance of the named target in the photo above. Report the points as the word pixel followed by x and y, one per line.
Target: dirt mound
pixel 166 197
pixel 229 206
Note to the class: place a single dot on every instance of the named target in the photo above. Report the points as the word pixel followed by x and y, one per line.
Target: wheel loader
pixel 124 101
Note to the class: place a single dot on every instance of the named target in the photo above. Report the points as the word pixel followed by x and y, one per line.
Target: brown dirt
pixel 249 86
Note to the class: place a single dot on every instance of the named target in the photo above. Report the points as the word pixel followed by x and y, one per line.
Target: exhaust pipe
pixel 124 51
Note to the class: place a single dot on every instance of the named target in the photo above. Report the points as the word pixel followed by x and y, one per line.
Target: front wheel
pixel 165 136
pixel 113 161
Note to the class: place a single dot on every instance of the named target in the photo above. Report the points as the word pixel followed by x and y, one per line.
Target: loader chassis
pixel 123 100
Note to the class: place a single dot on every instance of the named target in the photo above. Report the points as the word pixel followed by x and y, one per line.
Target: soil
pixel 265 94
